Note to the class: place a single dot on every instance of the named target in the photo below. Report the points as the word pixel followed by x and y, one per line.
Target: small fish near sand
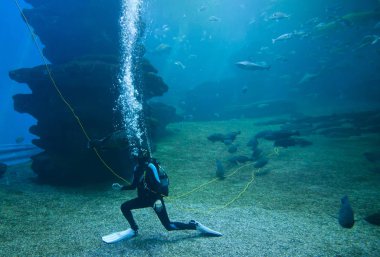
pixel 247 65
pixel 219 169
pixel 346 213
pixel 277 134
pixel 253 143
pixel 260 163
pixel 239 159
pixel 224 138
pixel 287 142
pixel 232 149
pixel 373 219
pixel 256 154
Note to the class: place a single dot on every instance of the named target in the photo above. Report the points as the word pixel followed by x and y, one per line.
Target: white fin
pixel 207 231
pixel 118 236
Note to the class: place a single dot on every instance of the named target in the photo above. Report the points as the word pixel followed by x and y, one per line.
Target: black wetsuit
pixel 147 183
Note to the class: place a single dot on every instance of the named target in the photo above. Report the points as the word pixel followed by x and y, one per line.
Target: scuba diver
pixel 148 178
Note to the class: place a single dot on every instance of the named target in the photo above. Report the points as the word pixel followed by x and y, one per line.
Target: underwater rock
pixel 86 82
pixel 84 51
pixel 66 31
pixel 3 169
pixel 157 116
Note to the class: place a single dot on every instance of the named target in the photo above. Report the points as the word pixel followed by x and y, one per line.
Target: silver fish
pixel 247 65
pixel 285 36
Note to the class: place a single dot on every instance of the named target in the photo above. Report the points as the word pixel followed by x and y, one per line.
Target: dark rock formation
pixel 81 41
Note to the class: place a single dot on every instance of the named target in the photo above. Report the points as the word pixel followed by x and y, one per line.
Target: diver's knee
pixel 125 207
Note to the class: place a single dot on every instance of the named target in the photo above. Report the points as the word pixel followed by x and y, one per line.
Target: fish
pixel 232 149
pixel 256 154
pixel 219 169
pixel 216 137
pixel 368 40
pixel 277 134
pixel 224 138
pixel 361 17
pixel 115 140
pixel 202 8
pixel 286 142
pixel 278 16
pixel 253 143
pixel 282 37
pixel 214 19
pixel 180 64
pixel 346 213
pixel 307 77
pixel 247 65
pixel 239 159
pixel 260 163
pixel 373 219
pixel 162 49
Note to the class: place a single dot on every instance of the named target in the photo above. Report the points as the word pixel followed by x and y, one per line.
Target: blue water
pixel 17 50
pixel 205 51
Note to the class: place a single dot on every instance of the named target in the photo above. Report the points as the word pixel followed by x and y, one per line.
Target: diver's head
pixel 140 155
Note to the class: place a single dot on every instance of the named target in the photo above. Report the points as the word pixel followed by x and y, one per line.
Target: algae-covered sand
pixel 287 210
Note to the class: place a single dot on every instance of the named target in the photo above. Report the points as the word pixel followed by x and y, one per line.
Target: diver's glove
pixel 116 186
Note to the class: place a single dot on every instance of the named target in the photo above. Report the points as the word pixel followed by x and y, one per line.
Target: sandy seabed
pixel 287 210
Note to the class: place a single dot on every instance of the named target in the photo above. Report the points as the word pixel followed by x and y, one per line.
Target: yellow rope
pixel 61 95
pixel 229 202
pixel 276 150
pixel 206 183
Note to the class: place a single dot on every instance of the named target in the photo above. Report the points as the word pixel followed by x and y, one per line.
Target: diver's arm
pixel 134 183
pixel 117 186
pixel 129 187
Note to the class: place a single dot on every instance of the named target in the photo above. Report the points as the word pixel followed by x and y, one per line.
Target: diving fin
pixel 118 236
pixel 205 230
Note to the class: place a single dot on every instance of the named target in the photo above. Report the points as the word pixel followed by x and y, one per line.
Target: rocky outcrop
pixel 81 40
